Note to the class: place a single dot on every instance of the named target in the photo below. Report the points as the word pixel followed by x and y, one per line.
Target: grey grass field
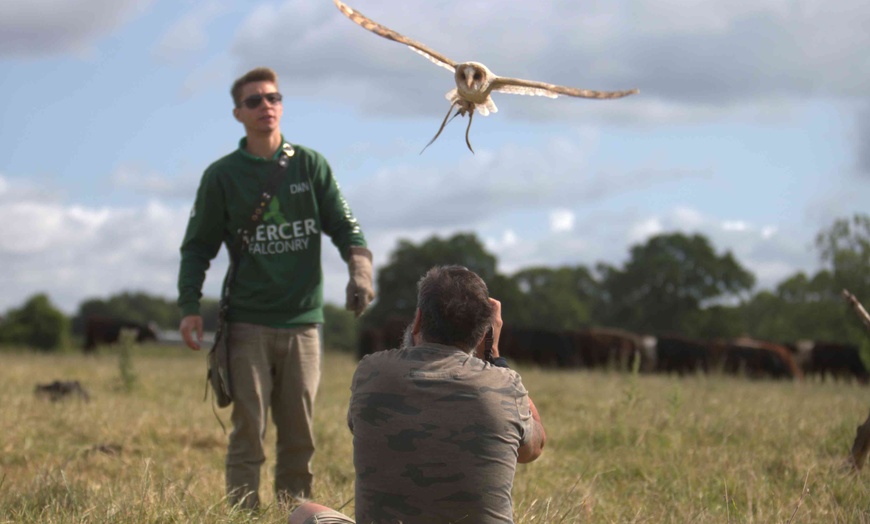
pixel 622 447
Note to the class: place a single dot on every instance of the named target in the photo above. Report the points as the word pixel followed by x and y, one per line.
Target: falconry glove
pixel 359 289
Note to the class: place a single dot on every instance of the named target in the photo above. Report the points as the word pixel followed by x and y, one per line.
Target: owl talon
pixel 467 129
pixel 443 123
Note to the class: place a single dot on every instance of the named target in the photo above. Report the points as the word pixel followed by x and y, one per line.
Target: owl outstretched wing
pixel 518 86
pixel 376 28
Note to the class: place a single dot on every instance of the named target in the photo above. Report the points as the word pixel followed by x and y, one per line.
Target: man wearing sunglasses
pixel 276 298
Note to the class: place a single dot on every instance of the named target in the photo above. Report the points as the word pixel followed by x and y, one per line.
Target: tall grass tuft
pixel 126 342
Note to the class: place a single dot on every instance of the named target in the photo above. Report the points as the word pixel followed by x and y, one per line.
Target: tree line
pixel 671 283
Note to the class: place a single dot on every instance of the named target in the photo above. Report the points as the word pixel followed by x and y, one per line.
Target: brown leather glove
pixel 359 289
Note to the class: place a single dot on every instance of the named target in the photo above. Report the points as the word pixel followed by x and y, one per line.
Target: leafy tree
pixel 397 281
pixel 800 307
pixel 339 329
pixel 37 323
pixel 716 321
pixel 845 248
pixel 667 280
pixel 142 308
pixel 815 308
pixel 555 298
pixel 768 317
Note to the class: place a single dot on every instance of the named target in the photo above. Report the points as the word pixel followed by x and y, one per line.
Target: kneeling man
pixel 438 430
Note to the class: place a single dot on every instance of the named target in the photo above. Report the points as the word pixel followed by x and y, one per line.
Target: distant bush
pixel 339 329
pixel 36 324
pixel 143 308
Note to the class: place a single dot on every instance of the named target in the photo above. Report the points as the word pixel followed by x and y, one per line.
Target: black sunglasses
pixel 254 101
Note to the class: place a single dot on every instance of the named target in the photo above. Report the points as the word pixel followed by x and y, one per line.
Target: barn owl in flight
pixel 474 81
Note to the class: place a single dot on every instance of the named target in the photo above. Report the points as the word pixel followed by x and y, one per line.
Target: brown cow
pixel 107 330
pixel 610 348
pixel 830 359
pixel 758 359
pixel 543 347
pixel 682 355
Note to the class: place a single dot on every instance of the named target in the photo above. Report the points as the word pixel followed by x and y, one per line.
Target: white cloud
pixel 39 27
pixel 735 225
pixel 687 218
pixel 770 272
pixel 768 231
pixel 149 183
pixel 73 252
pixel 479 187
pixel 508 240
pixel 644 230
pixel 188 35
pixel 561 220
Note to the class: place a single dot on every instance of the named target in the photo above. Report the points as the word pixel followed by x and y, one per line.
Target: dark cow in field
pixel 107 330
pixel 533 346
pixel 543 347
pixel 830 359
pixel 387 335
pixel 682 355
pixel 609 348
pixel 758 359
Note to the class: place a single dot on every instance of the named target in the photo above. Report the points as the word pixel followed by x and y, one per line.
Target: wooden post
pixel 858 308
pixel 861 445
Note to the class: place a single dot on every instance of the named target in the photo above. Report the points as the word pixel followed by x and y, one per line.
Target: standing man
pixel 437 430
pixel 277 296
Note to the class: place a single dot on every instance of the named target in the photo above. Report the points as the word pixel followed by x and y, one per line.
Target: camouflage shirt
pixel 436 434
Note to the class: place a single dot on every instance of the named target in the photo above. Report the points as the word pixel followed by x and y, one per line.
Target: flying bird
pixel 474 81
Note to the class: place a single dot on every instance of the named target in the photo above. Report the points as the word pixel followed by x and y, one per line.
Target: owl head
pixel 473 76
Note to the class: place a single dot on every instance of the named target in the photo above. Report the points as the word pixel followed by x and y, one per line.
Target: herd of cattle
pixel 604 348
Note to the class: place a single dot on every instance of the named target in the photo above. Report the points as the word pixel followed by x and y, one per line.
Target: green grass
pixel 622 447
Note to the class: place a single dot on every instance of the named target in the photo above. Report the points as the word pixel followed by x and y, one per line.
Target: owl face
pixel 472 78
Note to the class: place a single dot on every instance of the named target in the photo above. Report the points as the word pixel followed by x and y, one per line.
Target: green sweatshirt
pixel 279 281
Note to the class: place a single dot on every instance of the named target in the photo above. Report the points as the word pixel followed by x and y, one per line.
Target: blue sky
pixel 752 127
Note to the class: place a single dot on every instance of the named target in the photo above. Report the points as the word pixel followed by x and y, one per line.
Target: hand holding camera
pixel 488 348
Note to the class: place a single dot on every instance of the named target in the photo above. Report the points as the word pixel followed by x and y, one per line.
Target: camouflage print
pixel 436 434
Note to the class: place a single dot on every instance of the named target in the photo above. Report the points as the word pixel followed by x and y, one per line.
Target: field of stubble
pixel 622 447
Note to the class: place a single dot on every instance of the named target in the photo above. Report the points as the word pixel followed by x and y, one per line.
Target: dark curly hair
pixel 454 307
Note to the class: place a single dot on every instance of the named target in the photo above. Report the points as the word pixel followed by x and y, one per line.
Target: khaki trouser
pixel 277 368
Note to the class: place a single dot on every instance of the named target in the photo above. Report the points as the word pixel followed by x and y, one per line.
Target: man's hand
pixel 496 332
pixel 190 325
pixel 360 291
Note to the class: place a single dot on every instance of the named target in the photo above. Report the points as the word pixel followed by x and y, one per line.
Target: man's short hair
pixel 454 307
pixel 259 74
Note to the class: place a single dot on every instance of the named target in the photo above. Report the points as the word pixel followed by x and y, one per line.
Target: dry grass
pixel 622 448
